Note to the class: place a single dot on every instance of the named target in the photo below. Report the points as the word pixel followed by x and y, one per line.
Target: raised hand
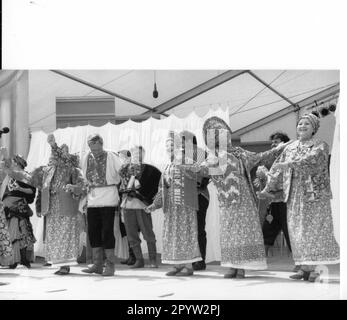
pixel 51 139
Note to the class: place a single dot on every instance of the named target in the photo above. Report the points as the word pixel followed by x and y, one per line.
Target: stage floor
pixel 40 283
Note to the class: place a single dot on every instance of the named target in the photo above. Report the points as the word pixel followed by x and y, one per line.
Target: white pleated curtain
pixel 151 134
pixel 335 175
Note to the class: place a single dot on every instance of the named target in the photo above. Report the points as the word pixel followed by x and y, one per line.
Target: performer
pixel 306 190
pixel 203 198
pixel 58 204
pixel 276 219
pixel 16 199
pixel 5 241
pixel 178 196
pixel 125 157
pixel 242 244
pixel 100 169
pixel 139 186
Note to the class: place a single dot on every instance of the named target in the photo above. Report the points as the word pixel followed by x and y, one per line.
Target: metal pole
pixel 67 75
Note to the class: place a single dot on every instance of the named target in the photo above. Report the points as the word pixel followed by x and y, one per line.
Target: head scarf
pixel 314 121
pixel 216 124
pixel 20 160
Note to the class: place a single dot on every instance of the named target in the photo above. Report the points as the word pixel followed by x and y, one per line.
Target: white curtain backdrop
pixel 335 175
pixel 151 134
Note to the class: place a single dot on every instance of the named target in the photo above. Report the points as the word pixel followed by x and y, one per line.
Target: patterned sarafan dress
pixel 306 188
pixel 241 238
pixel 178 196
pixel 5 242
pixel 62 231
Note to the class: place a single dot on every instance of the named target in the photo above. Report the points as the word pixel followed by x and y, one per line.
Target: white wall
pixel 14 113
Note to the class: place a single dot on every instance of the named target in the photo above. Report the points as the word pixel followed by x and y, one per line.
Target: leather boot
pixel 131 260
pixel 98 254
pixel 110 261
pixel 82 258
pixel 152 253
pixel 140 262
pixel 23 258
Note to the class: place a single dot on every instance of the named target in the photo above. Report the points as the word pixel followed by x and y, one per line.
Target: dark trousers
pixel 201 214
pixel 271 230
pixel 135 220
pixel 100 227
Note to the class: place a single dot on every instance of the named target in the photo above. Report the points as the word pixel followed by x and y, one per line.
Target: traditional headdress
pixel 313 119
pixel 216 124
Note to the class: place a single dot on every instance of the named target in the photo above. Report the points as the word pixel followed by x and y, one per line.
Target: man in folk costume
pixel 198 157
pixel 125 157
pixel 139 186
pixel 100 169
pixel 242 244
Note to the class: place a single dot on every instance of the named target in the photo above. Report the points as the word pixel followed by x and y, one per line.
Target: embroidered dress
pixel 241 238
pixel 178 196
pixel 62 228
pixel 306 187
pixel 18 213
pixel 5 242
pixel 62 232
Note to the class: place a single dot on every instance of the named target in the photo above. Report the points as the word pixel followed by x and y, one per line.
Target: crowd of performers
pixel 121 191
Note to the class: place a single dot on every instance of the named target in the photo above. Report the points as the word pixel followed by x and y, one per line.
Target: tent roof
pixel 247 98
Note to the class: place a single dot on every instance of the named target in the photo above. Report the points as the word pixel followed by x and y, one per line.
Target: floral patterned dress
pixel 180 228
pixel 241 238
pixel 5 242
pixel 62 230
pixel 306 186
pixel 18 213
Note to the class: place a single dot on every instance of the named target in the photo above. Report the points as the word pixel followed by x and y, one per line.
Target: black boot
pixel 97 266
pixel 152 253
pixel 23 258
pixel 140 262
pixel 82 258
pixel 199 265
pixel 110 261
pixel 132 258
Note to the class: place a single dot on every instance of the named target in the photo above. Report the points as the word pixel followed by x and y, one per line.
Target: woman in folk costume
pixel 306 189
pixel 5 241
pixel 178 196
pixel 16 199
pixel 59 205
pixel 242 243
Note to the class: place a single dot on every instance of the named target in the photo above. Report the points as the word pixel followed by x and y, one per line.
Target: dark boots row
pixel 136 259
pixel 98 262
